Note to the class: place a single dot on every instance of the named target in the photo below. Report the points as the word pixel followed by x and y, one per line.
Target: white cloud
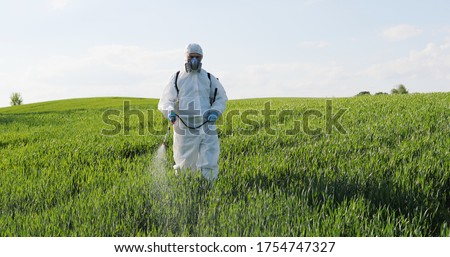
pixel 132 60
pixel 111 70
pixel 123 70
pixel 432 63
pixel 133 71
pixel 59 4
pixel 294 79
pixel 400 32
pixel 118 70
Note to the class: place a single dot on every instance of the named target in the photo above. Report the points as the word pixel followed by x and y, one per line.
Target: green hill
pixel 360 166
pixel 77 104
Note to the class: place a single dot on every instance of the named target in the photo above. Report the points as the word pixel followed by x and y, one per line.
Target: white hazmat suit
pixel 189 94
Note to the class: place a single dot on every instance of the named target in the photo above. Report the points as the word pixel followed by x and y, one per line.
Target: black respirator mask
pixel 193 65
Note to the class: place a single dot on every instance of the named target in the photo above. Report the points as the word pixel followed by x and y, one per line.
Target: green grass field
pixel 386 174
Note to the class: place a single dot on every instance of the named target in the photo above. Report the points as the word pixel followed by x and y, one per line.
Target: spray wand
pixel 173 122
pixel 167 133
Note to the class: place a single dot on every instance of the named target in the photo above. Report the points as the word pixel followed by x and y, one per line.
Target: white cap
pixel 194 48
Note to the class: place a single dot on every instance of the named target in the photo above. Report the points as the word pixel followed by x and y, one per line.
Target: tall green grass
pixel 388 175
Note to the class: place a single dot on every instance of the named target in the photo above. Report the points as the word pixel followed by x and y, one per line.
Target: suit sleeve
pixel 168 98
pixel 221 97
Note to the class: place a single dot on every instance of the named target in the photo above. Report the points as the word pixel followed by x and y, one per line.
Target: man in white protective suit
pixel 193 100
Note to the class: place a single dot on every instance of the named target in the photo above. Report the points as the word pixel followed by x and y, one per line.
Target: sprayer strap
pixel 176 82
pixel 210 84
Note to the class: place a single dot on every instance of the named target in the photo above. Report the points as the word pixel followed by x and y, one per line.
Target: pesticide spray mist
pixel 159 173
pixel 158 168
pixel 164 190
pixel 175 201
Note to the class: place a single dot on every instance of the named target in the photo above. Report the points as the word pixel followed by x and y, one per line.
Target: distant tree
pixel 16 99
pixel 401 89
pixel 381 93
pixel 363 93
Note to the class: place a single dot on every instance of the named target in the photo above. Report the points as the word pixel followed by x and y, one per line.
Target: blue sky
pixel 57 49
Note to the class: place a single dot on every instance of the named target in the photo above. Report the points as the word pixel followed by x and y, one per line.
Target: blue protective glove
pixel 213 116
pixel 172 117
